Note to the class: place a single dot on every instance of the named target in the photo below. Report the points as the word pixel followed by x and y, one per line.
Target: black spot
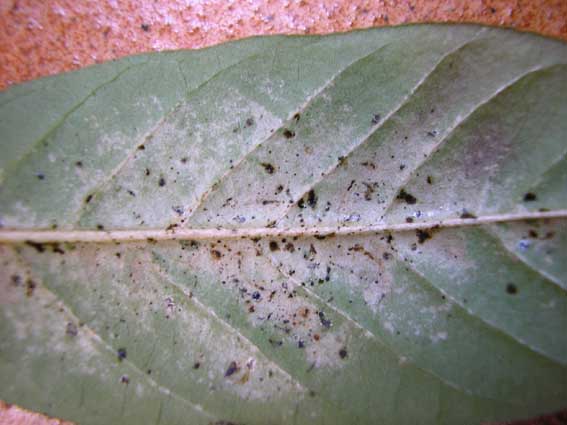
pixel 141 147
pixel 256 295
pixel 296 116
pixel 343 353
pixel 145 27
pixel 288 134
pixel 268 167
pixel 148 172
pixel 232 369
pixel 376 119
pixel 71 329
pixel 529 197
pixel 422 235
pixel 511 289
pixel 404 196
pixel 121 353
pixel 429 180
pixel 39 247
pixel 100 227
pixel 40 176
pixel 249 122
pixel 216 254
pixel 324 321
pixel 409 219
pixel 467 214
pixel 196 365
pixel 124 379
pixel 88 198
pixel 79 164
pixel 274 246
pixel 311 198
pixel 161 182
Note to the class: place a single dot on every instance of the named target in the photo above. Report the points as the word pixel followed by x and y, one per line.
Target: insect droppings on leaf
pixel 71 329
pixel 30 286
pixel 161 182
pixel 511 289
pixel 311 198
pixel 268 167
pixel 288 134
pixel 274 246
pixel 376 119
pixel 422 235
pixel 407 197
pixel 232 369
pixel 343 354
pixel 121 354
pixel 529 197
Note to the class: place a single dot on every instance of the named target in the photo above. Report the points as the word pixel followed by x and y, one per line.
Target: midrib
pixel 136 235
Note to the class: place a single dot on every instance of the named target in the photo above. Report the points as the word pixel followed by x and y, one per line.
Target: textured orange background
pixel 43 37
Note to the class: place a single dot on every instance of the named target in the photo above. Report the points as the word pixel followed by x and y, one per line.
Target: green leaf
pixel 364 228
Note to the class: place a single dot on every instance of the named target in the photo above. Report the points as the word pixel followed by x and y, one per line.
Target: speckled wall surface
pixel 42 37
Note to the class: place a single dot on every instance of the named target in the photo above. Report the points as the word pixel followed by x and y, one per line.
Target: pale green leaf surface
pixel 364 228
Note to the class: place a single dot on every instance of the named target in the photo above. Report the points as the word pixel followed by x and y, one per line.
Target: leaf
pixel 353 229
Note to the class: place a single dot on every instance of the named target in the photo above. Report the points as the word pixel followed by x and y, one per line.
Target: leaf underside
pixel 364 228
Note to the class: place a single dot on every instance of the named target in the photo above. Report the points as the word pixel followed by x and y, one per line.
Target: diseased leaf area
pixel 366 228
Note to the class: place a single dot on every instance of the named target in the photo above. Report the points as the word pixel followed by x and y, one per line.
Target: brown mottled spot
pixel 30 286
pixel 215 254
pixel 274 246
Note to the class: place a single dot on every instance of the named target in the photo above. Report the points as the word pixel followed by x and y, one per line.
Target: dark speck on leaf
pixel 196 365
pixel 256 295
pixel 40 176
pixel 274 246
pixel 288 134
pixel 511 289
pixel 343 353
pixel 422 235
pixel 324 321
pixel 30 286
pixel 429 180
pixel 376 119
pixel 216 254
pixel 161 182
pixel 88 199
pixel 71 329
pixel 409 219
pixel 404 196
pixel 311 198
pixel 145 27
pixel 232 369
pixel 467 214
pixel 249 122
pixel 100 227
pixel 268 167
pixel 121 353
pixel 141 147
pixel 124 379
pixel 79 164
pixel 529 197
